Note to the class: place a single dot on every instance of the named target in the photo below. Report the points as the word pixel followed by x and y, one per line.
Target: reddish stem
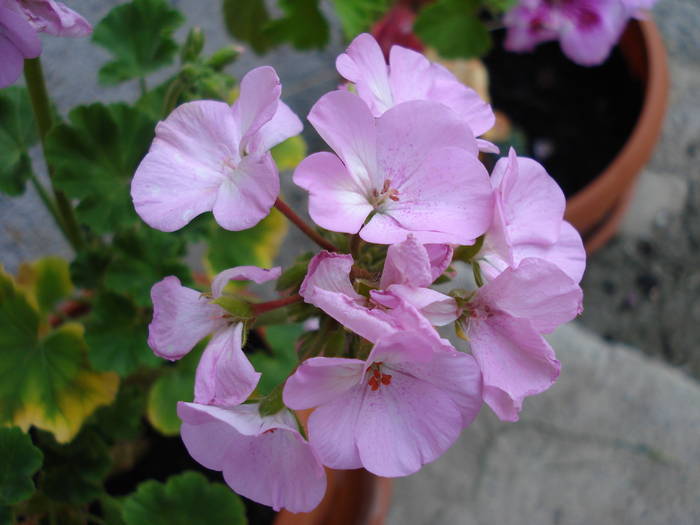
pixel 299 223
pixel 261 308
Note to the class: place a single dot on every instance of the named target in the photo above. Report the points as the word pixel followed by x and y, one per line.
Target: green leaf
pixel 116 333
pixel 47 281
pixel 185 499
pixel 303 25
pixel 19 460
pixel 453 28
pixel 289 153
pixel 45 380
pixel 122 419
pixel 74 473
pixel 142 257
pixel 5 515
pixel 17 135
pixel 276 368
pixel 257 246
pixel 357 16
pixel 176 384
pixel 498 6
pixel 139 35
pixel 246 20
pixel 94 159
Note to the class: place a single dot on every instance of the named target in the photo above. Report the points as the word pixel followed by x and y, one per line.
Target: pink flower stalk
pixel 264 459
pixel 20 20
pixel 183 316
pixel 528 221
pixel 401 408
pixel 412 170
pixel 586 29
pixel 410 76
pixel 403 300
pixel 504 323
pixel 209 156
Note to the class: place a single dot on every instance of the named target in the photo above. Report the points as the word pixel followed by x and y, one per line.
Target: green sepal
pixel 272 403
pixel 467 253
pixel 19 461
pixel 238 308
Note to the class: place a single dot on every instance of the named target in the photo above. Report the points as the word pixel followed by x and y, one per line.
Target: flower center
pixel 379 197
pixel 377 378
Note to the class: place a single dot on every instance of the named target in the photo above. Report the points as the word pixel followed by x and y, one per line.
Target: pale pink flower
pixel 504 323
pixel 528 221
pixel 586 29
pixel 412 170
pixel 183 316
pixel 18 40
pixel 264 459
pixel 400 409
pixel 410 76
pixel 208 156
pixel 403 295
pixel 55 18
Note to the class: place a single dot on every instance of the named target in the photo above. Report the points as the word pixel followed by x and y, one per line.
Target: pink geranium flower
pixel 183 316
pixel 208 156
pixel 402 297
pixel 586 29
pixel 20 20
pixel 410 76
pixel 528 221
pixel 412 170
pixel 401 408
pixel 504 323
pixel 264 459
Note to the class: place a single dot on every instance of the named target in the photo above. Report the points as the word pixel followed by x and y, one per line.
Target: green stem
pixel 46 199
pixel 142 86
pixel 44 120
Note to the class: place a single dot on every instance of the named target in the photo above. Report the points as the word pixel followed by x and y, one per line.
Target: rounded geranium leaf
pixel 17 135
pixel 184 499
pixel 19 460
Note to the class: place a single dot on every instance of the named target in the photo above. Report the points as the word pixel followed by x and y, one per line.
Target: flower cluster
pixel 21 20
pixel 586 29
pixel 406 187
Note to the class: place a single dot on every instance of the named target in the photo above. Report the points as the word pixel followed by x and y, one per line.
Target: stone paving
pixel 617 440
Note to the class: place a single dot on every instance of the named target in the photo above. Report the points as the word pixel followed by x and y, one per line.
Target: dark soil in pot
pixel 575 119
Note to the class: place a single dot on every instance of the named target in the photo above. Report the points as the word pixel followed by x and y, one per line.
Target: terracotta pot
pixel 598 208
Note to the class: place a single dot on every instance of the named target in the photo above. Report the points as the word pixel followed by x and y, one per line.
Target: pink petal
pixel 533 203
pixel 438 308
pixel 180 176
pixel 319 380
pixel 433 211
pixel 13 62
pixel 487 147
pixel 56 19
pixel 537 291
pixel 247 196
pixel 440 256
pixel 243 273
pixel 346 124
pixel 263 459
pixel 225 377
pixel 515 361
pixel 461 99
pixel 410 75
pixel 331 272
pixel 15 28
pixel 181 318
pixel 284 124
pixel 363 64
pixel 587 36
pixel 336 201
pixel 409 133
pixel 407 263
pixel 260 91
pixel 332 428
pixel 568 253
